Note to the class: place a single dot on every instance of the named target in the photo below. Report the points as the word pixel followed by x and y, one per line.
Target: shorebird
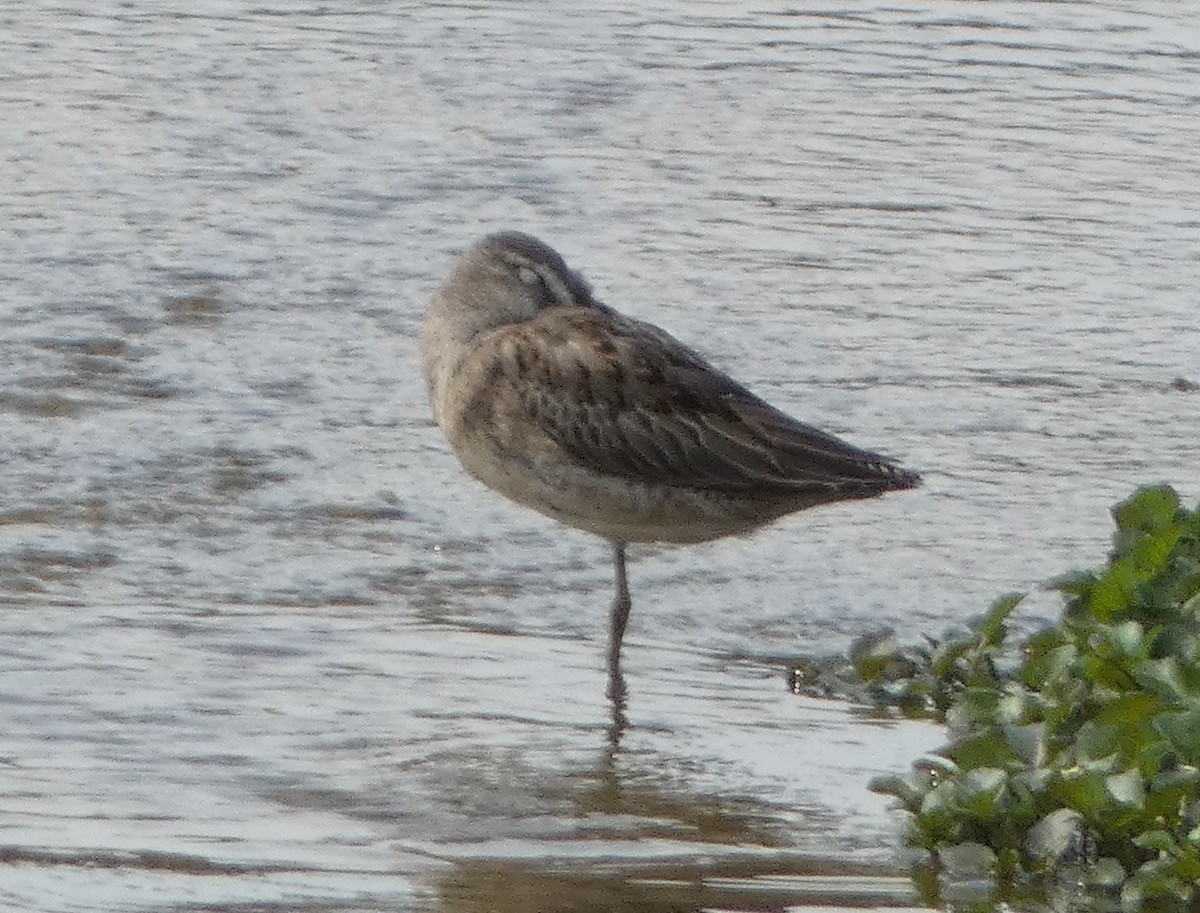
pixel 609 424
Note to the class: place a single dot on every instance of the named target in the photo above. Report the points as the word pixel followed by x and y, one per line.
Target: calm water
pixel 264 647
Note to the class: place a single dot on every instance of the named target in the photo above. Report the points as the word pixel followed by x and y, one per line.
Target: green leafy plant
pixel 1078 748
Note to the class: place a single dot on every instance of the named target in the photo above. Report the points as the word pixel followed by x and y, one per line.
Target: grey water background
pixel 263 646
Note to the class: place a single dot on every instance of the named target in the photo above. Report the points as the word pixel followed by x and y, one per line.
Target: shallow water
pixel 263 646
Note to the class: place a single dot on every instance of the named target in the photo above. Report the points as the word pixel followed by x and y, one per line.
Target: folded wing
pixel 625 398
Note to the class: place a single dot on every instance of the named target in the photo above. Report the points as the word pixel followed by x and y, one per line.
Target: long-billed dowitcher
pixel 609 424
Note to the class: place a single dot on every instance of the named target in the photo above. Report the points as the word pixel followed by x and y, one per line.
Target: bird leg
pixel 620 606
pixel 616 633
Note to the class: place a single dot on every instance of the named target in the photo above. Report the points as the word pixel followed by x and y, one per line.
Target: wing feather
pixel 625 398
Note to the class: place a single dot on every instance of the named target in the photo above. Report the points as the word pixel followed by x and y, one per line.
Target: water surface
pixel 263 645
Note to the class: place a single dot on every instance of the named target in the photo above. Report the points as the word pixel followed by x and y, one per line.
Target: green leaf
pixel 1179 640
pixel 1048 662
pixel 1164 678
pixel 873 653
pixel 1182 730
pixel 1151 554
pixel 1113 592
pixel 1027 742
pixel 901 788
pixel 1148 526
pixel 1132 709
pixel 1055 837
pixel 980 792
pixel 1127 789
pixel 1101 746
pixel 939 816
pixel 1074 583
pixel 935 768
pixel 974 709
pixel 1187 589
pixel 1147 510
pixel 1159 841
pixel 1187 864
pixel 1084 791
pixel 1100 670
pixel 1084 741
pixel 1170 789
pixel 948 655
pixel 1103 873
pixel 992 626
pixel 986 748
pixel 967 861
pixel 1126 640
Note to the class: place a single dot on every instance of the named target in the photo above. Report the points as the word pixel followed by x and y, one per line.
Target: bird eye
pixel 529 276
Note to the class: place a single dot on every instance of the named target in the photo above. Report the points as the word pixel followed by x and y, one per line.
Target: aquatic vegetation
pixel 1074 751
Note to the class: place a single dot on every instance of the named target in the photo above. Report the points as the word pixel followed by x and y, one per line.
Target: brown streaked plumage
pixel 609 424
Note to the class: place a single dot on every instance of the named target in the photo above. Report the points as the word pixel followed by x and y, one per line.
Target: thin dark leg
pixel 616 633
pixel 620 606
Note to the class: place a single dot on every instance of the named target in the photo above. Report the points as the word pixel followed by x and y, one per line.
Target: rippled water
pixel 263 646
